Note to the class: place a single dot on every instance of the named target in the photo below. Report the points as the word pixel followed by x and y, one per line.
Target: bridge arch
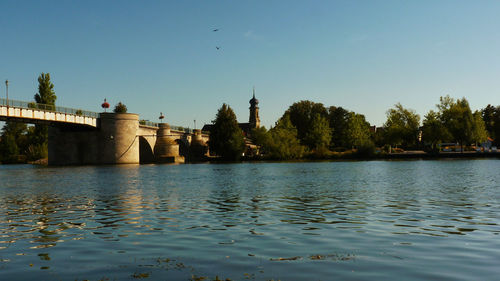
pixel 146 154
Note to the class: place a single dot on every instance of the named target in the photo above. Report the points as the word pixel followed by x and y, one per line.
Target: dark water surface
pixel 375 220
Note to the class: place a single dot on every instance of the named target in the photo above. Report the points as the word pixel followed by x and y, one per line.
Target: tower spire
pixel 254 119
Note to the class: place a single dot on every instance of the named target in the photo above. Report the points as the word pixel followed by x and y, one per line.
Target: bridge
pixel 84 137
pixel 32 112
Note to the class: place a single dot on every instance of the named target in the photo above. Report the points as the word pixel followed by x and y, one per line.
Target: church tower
pixel 254 112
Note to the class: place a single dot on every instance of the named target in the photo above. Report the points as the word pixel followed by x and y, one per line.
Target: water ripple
pixel 264 221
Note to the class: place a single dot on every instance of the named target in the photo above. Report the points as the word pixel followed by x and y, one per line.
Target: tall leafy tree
pixel 46 93
pixel 479 132
pixel 13 141
pixel 457 118
pixel 338 118
pixel 489 114
pixel 402 126
pixel 47 96
pixel 283 141
pixel 358 130
pixel 491 118
pixel 302 116
pixel 319 133
pixel 226 137
pixel 464 126
pixel 433 130
pixel 262 138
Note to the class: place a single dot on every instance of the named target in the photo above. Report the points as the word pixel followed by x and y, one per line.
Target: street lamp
pixel 7 87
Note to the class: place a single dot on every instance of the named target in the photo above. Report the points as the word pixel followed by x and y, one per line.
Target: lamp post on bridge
pixel 7 92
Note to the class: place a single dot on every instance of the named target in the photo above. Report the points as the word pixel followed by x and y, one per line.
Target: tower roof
pixel 254 101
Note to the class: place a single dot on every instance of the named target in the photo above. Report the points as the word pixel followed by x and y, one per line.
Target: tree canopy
pixel 491 117
pixel 358 131
pixel 283 141
pixel 458 119
pixel 46 93
pixel 318 136
pixel 303 114
pixel 120 108
pixel 226 138
pixel 338 118
pixel 402 126
pixel 433 130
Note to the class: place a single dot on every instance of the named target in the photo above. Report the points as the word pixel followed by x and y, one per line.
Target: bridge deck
pixel 36 113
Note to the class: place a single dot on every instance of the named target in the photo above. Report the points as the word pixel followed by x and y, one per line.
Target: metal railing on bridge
pixel 175 128
pixel 47 107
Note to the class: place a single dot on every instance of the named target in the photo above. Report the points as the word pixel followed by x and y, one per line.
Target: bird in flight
pixel 215 30
pixel 218 48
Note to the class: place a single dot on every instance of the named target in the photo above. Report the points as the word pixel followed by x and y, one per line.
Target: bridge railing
pixel 175 128
pixel 47 107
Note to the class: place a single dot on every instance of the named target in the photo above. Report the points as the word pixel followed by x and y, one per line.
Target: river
pixel 360 220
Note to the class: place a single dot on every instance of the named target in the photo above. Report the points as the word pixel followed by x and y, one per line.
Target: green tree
pixel 262 138
pixel 120 108
pixel 338 118
pixel 283 142
pixel 402 126
pixel 226 137
pixel 433 130
pixel 457 117
pixel 491 118
pixel 302 116
pixel 319 134
pixel 479 133
pixel 45 96
pixel 35 150
pixel 8 149
pixel 13 141
pixel 358 131
pixel 489 115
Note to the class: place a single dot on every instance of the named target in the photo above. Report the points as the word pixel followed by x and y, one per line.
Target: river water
pixel 367 220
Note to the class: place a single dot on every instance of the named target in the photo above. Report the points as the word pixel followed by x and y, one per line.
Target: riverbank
pixel 383 156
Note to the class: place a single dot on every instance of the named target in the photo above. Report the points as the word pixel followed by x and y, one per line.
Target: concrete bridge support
pixel 198 150
pixel 73 146
pixel 166 148
pixel 114 142
pixel 118 139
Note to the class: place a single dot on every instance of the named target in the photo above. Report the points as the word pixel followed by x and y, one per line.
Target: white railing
pixel 34 111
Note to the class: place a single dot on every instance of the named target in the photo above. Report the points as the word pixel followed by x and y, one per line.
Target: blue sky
pixel 161 56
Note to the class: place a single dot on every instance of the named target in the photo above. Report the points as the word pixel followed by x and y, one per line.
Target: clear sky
pixel 161 56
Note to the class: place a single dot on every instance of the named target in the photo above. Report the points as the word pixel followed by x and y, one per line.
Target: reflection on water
pixel 289 221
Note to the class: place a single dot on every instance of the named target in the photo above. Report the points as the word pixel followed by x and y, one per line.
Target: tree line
pixel 311 130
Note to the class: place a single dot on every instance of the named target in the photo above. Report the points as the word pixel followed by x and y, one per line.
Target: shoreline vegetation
pixel 352 156
pixel 310 131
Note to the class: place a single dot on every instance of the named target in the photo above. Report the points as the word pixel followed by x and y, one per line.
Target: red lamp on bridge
pixel 105 105
pixel 161 117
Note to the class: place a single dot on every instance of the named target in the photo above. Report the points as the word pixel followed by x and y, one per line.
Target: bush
pixel 120 108
pixel 366 150
pixel 321 152
pixel 37 151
